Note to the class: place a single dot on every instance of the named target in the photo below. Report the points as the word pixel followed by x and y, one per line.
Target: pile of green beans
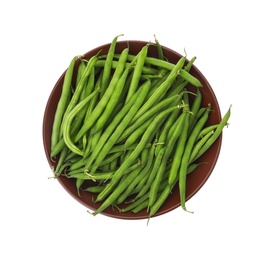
pixel 124 128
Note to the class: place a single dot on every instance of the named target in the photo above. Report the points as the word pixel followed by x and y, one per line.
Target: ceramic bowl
pixel 195 180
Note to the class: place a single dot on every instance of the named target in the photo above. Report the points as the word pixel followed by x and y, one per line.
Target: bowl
pixel 195 180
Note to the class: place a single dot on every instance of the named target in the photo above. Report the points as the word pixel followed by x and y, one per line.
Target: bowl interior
pixel 195 180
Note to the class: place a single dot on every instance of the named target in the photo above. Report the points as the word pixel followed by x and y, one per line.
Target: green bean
pixel 186 100
pixel 111 158
pixel 80 72
pixel 216 134
pixel 179 151
pixel 186 156
pixel 194 109
pixel 80 117
pixel 116 192
pixel 161 90
pixel 169 66
pixel 98 85
pixel 167 126
pixel 121 127
pixel 113 165
pixel 94 189
pixel 159 48
pixel 101 104
pixel 79 163
pixel 145 69
pixel 59 146
pixel 134 155
pixel 97 176
pixel 148 162
pixel 152 174
pixel 62 104
pixel 199 144
pixel 165 191
pixel 96 130
pixel 118 148
pixel 156 83
pixel 206 130
pixel 144 156
pixel 159 63
pixel 192 166
pixel 172 128
pixel 191 79
pixel 114 130
pixel 198 115
pixel 91 106
pixel 89 87
pixel 78 184
pixel 143 201
pixel 60 162
pixel 79 87
pixel 189 64
pixel 141 205
pixel 179 124
pixel 148 134
pixel 137 133
pixel 87 176
pixel 137 71
pixel 148 114
pixel 68 120
pixel 108 64
pixel 115 94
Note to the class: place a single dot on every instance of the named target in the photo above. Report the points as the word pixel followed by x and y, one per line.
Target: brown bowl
pixel 195 180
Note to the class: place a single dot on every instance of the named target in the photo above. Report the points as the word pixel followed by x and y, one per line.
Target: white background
pixel 39 220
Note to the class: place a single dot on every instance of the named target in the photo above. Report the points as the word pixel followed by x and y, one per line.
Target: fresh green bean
pixel 186 156
pixel 68 120
pixel 137 133
pixel 94 189
pixel 152 175
pixel 108 64
pixel 159 48
pixel 137 71
pixel 117 191
pixel 161 90
pixel 61 160
pixel 120 147
pixel 149 133
pixel 179 151
pixel 145 69
pixel 79 87
pixel 96 113
pixel 216 134
pixel 62 104
pixel 114 130
pixel 165 191
pixel 161 140
pixel 134 155
pixel 148 114
pixel 195 107
pixel 81 69
pixel 147 164
pixel 115 94
pixel 206 130
pixel 60 145
pixel 199 144
pixel 168 148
